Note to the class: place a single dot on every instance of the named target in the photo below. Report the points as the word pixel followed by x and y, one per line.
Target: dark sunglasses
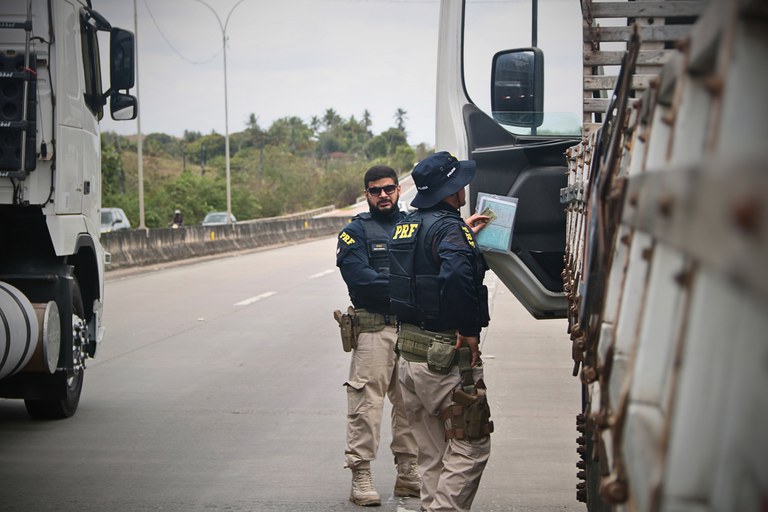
pixel 375 191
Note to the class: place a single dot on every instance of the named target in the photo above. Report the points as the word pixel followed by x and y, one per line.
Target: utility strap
pixel 465 369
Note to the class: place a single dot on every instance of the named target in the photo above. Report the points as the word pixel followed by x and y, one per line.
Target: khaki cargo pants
pixel 372 376
pixel 450 470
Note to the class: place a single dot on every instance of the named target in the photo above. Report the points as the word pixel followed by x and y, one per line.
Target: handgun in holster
pixel 349 325
pixel 469 414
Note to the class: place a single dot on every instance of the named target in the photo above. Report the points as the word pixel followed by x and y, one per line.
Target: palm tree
pixel 331 118
pixel 400 117
pixel 253 122
pixel 314 124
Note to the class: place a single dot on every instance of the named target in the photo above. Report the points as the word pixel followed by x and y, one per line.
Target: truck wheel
pixel 67 383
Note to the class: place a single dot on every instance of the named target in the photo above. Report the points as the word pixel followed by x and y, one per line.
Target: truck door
pixel 515 135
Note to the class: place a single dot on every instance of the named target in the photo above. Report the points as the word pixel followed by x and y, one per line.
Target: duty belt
pixel 413 342
pixel 371 322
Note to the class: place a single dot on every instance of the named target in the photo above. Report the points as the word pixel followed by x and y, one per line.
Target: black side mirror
pixel 517 87
pixel 123 107
pixel 121 58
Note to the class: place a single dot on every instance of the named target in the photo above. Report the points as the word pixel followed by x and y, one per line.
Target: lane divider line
pixel 257 298
pixel 321 274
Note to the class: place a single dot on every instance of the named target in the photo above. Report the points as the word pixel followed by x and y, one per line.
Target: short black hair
pixel 378 172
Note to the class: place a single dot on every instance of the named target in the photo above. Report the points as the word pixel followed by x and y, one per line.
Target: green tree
pixel 112 173
pixel 385 144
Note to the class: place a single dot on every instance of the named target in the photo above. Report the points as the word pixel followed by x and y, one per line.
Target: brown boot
pixel 363 493
pixel 408 483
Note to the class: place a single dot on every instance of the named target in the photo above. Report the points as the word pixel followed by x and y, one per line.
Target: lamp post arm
pixel 214 13
pixel 226 22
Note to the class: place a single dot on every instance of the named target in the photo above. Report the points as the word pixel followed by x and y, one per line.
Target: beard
pixel 383 207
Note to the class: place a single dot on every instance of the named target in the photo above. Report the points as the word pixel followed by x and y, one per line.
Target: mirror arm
pixel 101 22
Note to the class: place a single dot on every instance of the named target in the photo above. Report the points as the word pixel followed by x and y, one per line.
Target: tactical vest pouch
pixel 441 357
pixel 349 325
pixel 469 416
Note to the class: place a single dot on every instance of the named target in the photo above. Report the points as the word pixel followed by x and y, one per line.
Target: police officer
pixel 362 256
pixel 437 291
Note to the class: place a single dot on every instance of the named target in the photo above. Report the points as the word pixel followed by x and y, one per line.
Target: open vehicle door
pixel 520 153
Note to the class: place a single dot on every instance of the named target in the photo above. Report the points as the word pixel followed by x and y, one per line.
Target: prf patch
pixel 344 237
pixel 468 235
pixel 405 231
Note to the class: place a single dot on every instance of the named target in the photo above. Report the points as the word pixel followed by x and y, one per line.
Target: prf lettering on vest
pixel 404 231
pixel 346 238
pixel 468 235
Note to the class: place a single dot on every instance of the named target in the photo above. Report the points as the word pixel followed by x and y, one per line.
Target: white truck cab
pixel 51 262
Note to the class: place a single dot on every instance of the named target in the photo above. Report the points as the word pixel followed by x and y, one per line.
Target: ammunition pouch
pixel 349 324
pixel 422 346
pixel 441 357
pixel 469 416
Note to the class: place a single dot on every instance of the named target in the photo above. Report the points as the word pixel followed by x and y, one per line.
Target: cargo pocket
pixel 356 397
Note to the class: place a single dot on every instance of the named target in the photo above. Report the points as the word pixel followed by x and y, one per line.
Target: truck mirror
pixel 123 107
pixel 121 58
pixel 517 87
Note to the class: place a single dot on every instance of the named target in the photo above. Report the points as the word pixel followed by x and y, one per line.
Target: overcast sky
pixel 284 58
pixel 301 57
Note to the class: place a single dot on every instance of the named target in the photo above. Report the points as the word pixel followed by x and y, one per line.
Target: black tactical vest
pixel 376 241
pixel 413 276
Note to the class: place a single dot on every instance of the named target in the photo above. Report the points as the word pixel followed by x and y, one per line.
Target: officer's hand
pixel 473 343
pixel 476 222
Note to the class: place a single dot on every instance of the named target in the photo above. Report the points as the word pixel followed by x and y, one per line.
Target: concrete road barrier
pixel 136 248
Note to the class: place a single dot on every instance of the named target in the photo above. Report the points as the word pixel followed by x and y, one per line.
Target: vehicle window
pixel 493 26
pixel 106 217
pixel 92 68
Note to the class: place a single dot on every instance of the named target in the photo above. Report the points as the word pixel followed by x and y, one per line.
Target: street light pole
pixel 142 224
pixel 223 27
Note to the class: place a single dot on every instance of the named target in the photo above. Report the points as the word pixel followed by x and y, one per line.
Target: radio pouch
pixel 441 357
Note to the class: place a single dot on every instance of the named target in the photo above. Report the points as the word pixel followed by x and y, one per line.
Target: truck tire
pixel 67 383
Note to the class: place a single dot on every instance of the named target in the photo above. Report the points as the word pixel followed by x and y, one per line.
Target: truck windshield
pixel 493 26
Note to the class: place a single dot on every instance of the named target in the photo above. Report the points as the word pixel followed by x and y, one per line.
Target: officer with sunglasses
pixel 362 255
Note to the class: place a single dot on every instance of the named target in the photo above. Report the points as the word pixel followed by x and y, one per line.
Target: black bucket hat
pixel 438 176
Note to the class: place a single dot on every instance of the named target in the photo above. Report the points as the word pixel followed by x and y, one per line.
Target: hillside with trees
pixel 293 165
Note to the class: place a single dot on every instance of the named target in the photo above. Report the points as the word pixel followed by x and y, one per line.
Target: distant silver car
pixel 113 219
pixel 217 219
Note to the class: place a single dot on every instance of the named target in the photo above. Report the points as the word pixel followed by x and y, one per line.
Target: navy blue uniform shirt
pixel 368 287
pixel 455 251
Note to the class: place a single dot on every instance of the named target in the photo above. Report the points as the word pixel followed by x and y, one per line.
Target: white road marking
pixel 257 298
pixel 321 274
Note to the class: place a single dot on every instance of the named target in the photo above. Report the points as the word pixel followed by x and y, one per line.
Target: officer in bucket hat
pixel 437 293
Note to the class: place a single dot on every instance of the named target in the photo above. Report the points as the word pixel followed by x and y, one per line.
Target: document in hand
pixel 497 234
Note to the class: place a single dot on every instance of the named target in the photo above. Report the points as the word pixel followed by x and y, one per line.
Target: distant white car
pixel 217 219
pixel 114 219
